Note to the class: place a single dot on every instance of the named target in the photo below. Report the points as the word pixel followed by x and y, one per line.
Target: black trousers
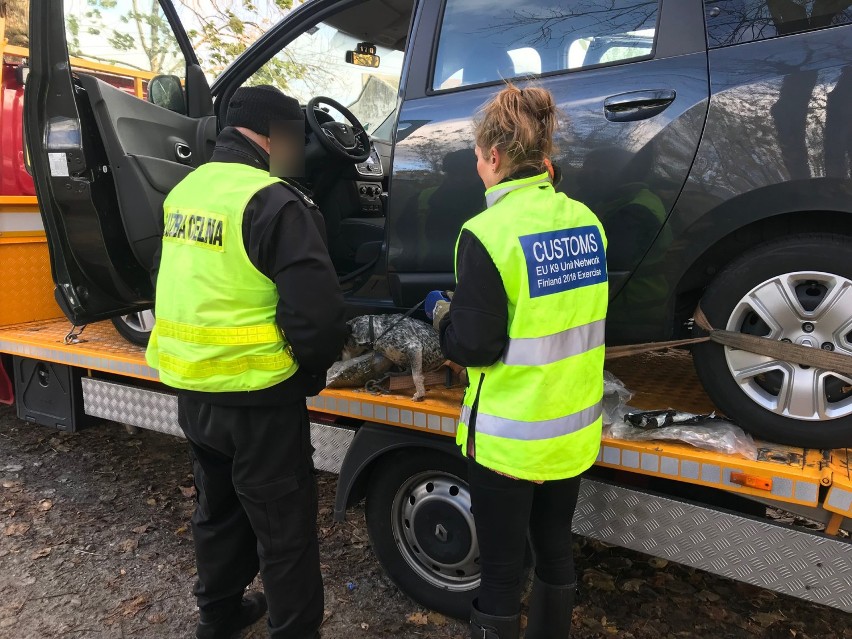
pixel 256 509
pixel 505 509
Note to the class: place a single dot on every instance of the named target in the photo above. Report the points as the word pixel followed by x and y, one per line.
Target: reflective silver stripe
pixel 538 351
pixel 495 196
pixel 20 221
pixel 530 431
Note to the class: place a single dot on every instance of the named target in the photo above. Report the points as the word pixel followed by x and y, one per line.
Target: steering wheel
pixel 348 142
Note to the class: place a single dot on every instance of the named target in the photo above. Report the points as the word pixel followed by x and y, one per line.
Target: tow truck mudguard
pixel 371 443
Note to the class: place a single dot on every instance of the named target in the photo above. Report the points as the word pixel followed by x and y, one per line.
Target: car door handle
pixel 183 152
pixel 637 105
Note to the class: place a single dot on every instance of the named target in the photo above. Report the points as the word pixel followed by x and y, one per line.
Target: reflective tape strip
pixel 611 454
pixel 538 351
pixel 19 222
pixel 384 414
pixel 206 368
pixel 77 359
pixel 531 431
pixel 220 335
pixel 839 500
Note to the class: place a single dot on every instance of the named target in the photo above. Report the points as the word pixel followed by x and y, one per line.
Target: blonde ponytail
pixel 520 123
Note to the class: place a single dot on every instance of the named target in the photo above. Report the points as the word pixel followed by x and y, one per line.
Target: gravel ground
pixel 95 542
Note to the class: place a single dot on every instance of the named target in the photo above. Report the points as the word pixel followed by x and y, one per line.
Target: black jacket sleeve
pixel 475 331
pixel 287 244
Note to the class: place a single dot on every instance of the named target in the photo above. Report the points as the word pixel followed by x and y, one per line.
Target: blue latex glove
pixel 432 300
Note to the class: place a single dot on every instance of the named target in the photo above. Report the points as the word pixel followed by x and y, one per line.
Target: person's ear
pixel 495 160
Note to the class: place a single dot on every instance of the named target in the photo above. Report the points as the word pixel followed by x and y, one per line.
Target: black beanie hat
pixel 255 107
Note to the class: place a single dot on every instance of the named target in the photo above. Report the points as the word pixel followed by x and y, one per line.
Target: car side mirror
pixel 167 91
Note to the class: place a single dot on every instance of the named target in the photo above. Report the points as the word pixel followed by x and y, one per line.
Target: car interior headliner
pixel 381 22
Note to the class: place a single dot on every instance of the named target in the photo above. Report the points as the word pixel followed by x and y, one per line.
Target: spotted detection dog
pixel 409 343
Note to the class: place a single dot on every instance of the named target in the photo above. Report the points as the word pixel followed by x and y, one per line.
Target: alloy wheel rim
pixel 809 308
pixel 142 322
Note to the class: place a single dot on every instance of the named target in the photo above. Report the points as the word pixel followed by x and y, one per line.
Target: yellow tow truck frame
pixel 665 499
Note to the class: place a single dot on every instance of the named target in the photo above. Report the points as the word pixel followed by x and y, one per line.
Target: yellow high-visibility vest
pixel 536 413
pixel 215 328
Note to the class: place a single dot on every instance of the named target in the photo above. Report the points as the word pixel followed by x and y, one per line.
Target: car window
pixel 484 41
pixel 314 64
pixel 124 42
pixel 737 21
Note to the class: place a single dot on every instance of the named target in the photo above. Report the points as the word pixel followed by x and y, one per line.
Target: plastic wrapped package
pixel 705 431
pixel 615 399
pixel 356 372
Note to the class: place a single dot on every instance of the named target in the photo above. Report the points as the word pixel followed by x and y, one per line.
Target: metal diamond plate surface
pixel 154 410
pixel 131 405
pixel 27 291
pixel 330 446
pixel 794 562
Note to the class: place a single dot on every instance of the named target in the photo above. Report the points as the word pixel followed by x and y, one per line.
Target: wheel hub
pixel 434 528
pixel 812 309
pixel 808 340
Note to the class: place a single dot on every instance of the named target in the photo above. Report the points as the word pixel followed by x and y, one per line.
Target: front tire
pixel 422 529
pixel 795 289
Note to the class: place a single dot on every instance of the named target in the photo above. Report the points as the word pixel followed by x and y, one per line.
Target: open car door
pixel 104 154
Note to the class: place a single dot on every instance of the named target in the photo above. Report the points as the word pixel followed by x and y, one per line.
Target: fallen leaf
pixel 17 529
pixel 767 618
pixel 437 618
pixel 598 580
pixel 44 505
pixel 151 502
pixel 633 585
pixel 141 530
pixel 156 617
pixel 132 607
pixel 706 595
pixel 187 491
pixel 40 554
pixel 656 562
pixel 181 530
pixel 128 545
pixel 418 619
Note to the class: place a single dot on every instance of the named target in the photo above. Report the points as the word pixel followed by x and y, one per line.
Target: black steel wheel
pixel 422 530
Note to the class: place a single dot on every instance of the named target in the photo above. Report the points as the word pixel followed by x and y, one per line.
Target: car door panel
pixel 627 162
pixel 102 164
pixel 597 157
pixel 137 136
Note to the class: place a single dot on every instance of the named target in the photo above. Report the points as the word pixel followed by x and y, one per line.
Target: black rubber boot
pixel 484 626
pixel 550 611
pixel 225 623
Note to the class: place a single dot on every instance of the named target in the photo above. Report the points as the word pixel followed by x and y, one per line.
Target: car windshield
pixel 314 64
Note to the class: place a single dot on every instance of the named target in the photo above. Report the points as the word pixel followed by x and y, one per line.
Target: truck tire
pixel 135 328
pixel 422 530
pixel 797 289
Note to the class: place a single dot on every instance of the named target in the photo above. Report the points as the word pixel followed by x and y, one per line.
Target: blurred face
pixel 490 165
